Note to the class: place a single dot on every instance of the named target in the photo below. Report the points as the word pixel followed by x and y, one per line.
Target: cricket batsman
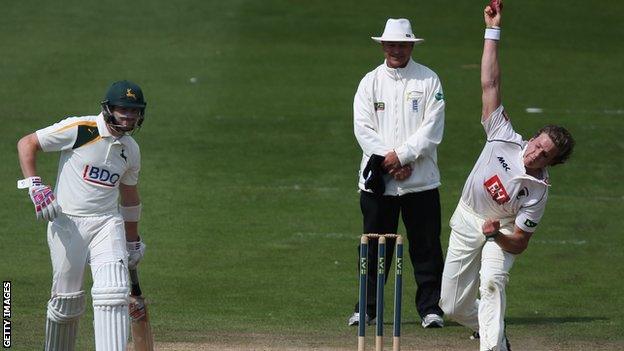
pixel 92 215
pixel 501 205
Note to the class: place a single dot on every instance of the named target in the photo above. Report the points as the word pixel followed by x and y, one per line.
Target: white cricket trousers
pixel 100 242
pixel 77 241
pixel 474 265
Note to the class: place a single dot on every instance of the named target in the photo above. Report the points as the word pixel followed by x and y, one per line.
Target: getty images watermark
pixel 6 314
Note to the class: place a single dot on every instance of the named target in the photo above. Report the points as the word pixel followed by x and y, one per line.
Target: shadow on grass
pixel 551 320
pixel 525 320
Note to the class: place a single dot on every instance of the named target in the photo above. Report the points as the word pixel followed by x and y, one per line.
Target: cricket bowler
pixel 501 205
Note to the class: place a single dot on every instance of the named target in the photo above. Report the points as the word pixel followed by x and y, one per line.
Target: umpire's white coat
pixel 402 110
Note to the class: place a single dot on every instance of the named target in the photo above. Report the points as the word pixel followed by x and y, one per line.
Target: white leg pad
pixel 110 306
pixel 64 311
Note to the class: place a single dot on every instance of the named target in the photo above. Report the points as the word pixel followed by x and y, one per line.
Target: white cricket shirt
pixel 92 164
pixel 401 109
pixel 498 186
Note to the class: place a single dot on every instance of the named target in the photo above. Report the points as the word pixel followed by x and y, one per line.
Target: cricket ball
pixel 493 4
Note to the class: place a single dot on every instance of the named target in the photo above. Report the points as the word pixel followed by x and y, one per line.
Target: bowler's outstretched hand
pixel 492 13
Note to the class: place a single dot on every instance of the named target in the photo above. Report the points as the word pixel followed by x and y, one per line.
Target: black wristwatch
pixel 492 236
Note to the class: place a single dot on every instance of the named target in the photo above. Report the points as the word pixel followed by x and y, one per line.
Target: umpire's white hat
pixel 398 30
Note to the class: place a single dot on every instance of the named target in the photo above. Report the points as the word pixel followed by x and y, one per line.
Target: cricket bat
pixel 140 324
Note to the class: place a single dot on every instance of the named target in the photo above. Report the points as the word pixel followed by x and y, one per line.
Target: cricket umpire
pixel 93 215
pixel 398 117
pixel 501 205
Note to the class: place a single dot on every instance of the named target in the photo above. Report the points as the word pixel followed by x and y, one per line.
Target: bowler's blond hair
pixel 562 139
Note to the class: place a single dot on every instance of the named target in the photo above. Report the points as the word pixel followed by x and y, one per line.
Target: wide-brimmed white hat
pixel 398 30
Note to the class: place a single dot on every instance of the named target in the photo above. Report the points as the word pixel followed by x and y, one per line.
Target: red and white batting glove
pixel 136 308
pixel 42 197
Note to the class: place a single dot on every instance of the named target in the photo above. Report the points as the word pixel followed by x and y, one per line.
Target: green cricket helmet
pixel 123 93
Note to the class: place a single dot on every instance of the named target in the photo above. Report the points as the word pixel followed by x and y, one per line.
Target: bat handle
pixel 134 280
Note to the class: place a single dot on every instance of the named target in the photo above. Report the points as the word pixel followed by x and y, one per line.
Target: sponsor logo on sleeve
pixel 100 175
pixel 439 96
pixel 495 188
pixel 529 223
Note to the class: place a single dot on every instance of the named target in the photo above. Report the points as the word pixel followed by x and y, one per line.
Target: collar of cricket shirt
pixel 544 178
pixel 398 73
pixel 102 127
pixel 105 132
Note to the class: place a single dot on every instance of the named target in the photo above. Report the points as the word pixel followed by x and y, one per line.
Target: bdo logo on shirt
pixel 100 176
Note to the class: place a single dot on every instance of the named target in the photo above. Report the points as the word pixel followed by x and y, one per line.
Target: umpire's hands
pixel 391 161
pixel 136 251
pixel 401 173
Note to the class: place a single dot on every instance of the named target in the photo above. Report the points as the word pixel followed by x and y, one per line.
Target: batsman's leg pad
pixel 110 306
pixel 64 311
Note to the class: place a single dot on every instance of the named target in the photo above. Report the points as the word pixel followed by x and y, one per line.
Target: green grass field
pixel 251 214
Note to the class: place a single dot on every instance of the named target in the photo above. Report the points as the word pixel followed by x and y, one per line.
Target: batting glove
pixel 42 197
pixel 136 251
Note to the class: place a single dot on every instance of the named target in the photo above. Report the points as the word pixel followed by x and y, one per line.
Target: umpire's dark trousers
pixel 421 216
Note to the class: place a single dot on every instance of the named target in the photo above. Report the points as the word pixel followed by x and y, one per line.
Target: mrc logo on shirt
pixel 100 175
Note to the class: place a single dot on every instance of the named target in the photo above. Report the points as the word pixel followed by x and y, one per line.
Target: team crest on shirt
pixel 495 187
pixel 523 192
pixel 414 96
pixel 100 175
pixel 379 106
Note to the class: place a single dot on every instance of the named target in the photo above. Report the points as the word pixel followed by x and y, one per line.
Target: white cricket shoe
pixel 432 321
pixel 475 336
pixel 355 319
